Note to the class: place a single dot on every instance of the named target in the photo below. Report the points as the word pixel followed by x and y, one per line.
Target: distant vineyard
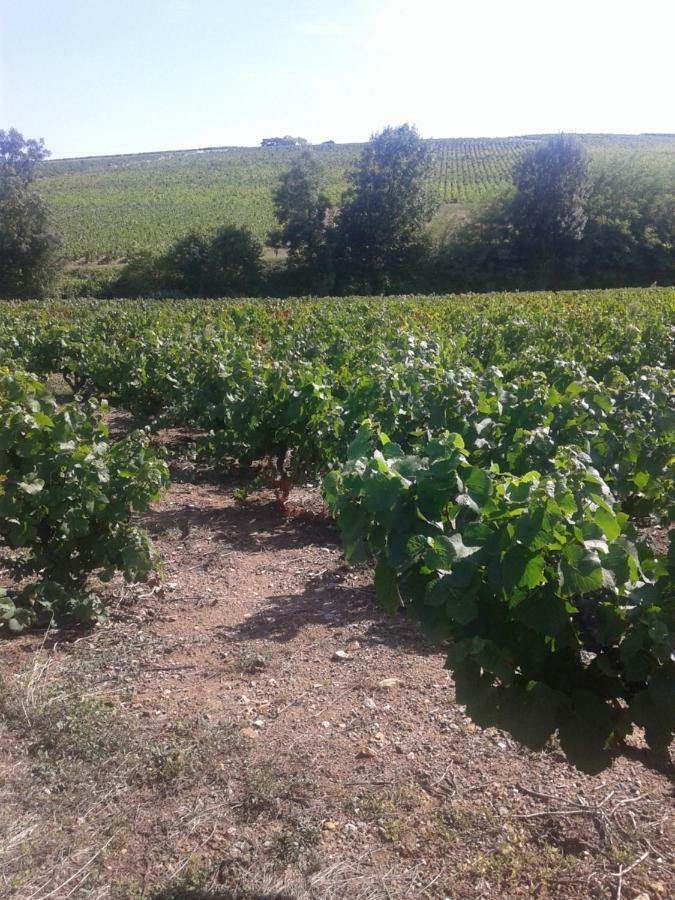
pixel 109 207
pixel 466 171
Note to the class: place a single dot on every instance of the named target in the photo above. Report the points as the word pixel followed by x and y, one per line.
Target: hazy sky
pixel 114 76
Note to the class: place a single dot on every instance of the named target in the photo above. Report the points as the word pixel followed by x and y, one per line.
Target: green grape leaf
pixel 580 570
pixel 522 568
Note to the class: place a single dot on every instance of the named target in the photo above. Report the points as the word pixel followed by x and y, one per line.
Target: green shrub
pixel 66 497
pixel 560 618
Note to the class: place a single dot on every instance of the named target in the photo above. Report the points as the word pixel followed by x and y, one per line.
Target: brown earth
pixel 207 742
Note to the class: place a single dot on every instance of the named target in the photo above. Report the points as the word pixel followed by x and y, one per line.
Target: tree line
pixel 562 225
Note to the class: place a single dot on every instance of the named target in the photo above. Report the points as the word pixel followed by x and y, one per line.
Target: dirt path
pixel 208 739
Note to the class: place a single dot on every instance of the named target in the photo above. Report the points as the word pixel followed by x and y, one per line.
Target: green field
pixel 109 207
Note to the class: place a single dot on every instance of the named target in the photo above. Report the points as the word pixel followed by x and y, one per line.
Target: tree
pixel 29 262
pixel 144 275
pixel 302 210
pixel 630 235
pixel 226 265
pixel 381 235
pixel 234 266
pixel 548 212
pixel 186 263
pixel 20 156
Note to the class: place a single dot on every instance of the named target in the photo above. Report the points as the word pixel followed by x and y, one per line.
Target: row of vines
pixel 506 462
pixel 466 171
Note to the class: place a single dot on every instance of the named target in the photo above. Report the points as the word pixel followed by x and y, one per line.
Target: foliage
pixel 302 375
pixel 144 275
pixel 628 238
pixel 20 157
pixel 380 233
pixel 548 212
pixel 226 264
pixel 630 235
pixel 301 208
pixel 94 281
pixel 29 262
pixel 476 252
pixel 66 496
pixel 233 268
pixel 530 439
pixel 116 206
pixel 559 619
pixel 186 263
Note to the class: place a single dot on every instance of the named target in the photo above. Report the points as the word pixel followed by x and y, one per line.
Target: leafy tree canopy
pixel 302 210
pixel 234 264
pixel 381 228
pixel 29 262
pixel 20 156
pixel 549 210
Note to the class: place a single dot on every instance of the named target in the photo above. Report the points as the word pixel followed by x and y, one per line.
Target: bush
pixel 142 276
pixel 66 497
pixel 560 619
pixel 185 264
pixel 225 265
pixel 89 281
pixel 233 267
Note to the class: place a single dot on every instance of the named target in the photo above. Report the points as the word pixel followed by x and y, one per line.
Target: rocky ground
pixel 249 725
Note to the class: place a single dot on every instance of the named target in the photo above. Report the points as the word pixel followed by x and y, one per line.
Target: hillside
pixel 109 207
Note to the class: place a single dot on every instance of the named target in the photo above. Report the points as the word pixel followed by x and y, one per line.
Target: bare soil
pixel 207 742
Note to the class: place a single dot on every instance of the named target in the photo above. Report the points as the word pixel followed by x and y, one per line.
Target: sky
pixel 99 77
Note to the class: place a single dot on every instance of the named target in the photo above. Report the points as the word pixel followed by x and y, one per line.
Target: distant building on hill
pixel 286 141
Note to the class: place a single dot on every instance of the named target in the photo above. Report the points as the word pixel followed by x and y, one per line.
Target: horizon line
pixel 222 147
